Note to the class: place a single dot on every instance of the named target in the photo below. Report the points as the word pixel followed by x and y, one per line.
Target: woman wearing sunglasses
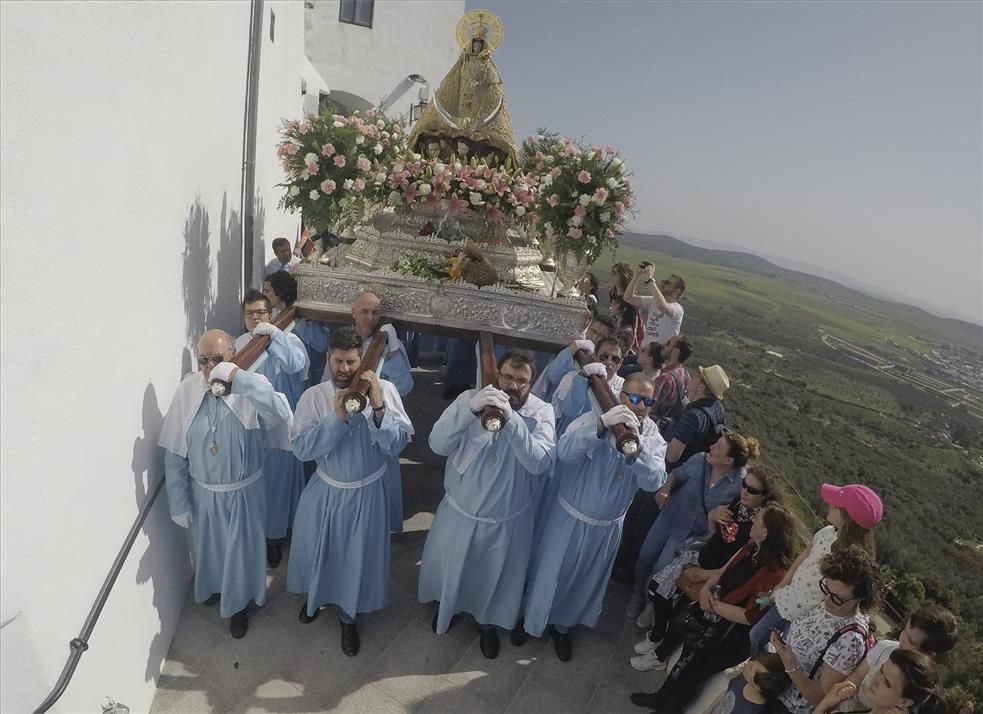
pixel 725 618
pixel 907 682
pixel 570 399
pixel 729 530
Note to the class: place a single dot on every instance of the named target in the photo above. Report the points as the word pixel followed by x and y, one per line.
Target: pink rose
pixel 340 161
pixel 304 127
pixel 554 200
pixel 580 211
pixel 359 184
pixel 363 164
pixel 575 232
pixel 584 177
pixel 327 149
pixel 328 186
pixel 555 172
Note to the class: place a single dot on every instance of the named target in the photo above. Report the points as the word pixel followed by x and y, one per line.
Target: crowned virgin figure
pixel 468 116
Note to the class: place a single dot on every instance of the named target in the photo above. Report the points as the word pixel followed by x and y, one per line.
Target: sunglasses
pixel 604 357
pixel 639 399
pixel 214 359
pixel 834 598
pixel 752 490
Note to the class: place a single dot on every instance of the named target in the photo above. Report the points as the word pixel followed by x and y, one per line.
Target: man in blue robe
pixel 285 366
pixel 213 465
pixel 581 528
pixel 597 330
pixel 339 553
pixel 396 369
pixel 477 551
pixel 571 399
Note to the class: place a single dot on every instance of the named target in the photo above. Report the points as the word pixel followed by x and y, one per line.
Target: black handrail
pixel 81 643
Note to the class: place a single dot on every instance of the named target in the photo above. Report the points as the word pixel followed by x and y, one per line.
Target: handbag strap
pixel 850 627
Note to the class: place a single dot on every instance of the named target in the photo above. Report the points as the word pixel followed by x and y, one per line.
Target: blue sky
pixel 846 135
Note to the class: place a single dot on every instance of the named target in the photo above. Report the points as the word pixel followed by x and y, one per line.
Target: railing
pixel 78 645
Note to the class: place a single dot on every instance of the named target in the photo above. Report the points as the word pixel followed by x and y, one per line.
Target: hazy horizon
pixel 846 136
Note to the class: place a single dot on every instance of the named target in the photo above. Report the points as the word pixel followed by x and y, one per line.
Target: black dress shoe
pixel 349 639
pixel 239 624
pixel 489 642
pixel 645 699
pixel 212 599
pixel 563 646
pixel 519 634
pixel 304 617
pixel 433 623
pixel 273 555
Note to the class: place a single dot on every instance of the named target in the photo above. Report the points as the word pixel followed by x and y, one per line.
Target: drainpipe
pixel 248 189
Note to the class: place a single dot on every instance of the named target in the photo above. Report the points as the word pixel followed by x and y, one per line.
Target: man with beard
pixel 570 399
pixel 339 553
pixel 477 551
pixel 213 463
pixel 366 309
pixel 595 483
pixel 285 367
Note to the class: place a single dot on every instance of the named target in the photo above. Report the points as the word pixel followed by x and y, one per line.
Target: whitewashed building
pixel 124 149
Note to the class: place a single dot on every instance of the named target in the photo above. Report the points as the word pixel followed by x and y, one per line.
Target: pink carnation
pixel 554 172
pixel 575 232
pixel 584 177
pixel 359 184
pixel 328 186
pixel 554 200
pixel 580 211
pixel 281 150
pixel 327 149
pixel 601 195
pixel 293 148
pixel 340 161
pixel 363 164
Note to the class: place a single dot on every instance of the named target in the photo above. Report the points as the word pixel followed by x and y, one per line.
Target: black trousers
pixel 638 521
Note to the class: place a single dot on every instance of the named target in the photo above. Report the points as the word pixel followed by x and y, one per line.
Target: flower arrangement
pixel 336 165
pixel 459 187
pixel 585 194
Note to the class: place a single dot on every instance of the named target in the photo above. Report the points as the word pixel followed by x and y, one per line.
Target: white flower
pixel 295 190
pixel 550 158
pixel 481 184
pixel 313 195
pixel 377 149
pixel 310 158
pixel 380 123
pixel 337 124
pixel 547 180
pixel 585 199
pixel 520 210
pixel 617 161
pixel 606 217
pixel 424 188
pixel 475 199
pixel 612 183
pixel 384 135
pixel 347 184
pixel 590 155
pixel 575 221
pixel 417 157
pixel 380 177
pixel 305 174
pixel 359 139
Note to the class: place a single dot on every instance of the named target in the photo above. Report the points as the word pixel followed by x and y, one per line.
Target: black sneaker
pixel 350 642
pixel 239 624
pixel 489 642
pixel 274 554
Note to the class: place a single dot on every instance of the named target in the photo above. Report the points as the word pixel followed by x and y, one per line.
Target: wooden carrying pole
pixel 492 418
pixel 357 397
pixel 245 357
pixel 625 439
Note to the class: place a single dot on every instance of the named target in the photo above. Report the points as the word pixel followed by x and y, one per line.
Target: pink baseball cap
pixel 860 502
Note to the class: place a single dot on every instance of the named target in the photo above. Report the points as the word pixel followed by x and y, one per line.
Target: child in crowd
pixel 763 680
pixel 854 510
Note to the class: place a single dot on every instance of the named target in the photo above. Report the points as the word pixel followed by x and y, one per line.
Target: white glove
pixel 390 332
pixel 584 345
pixel 184 520
pixel 619 414
pixel 595 368
pixel 265 328
pixel 482 398
pixel 501 401
pixel 223 372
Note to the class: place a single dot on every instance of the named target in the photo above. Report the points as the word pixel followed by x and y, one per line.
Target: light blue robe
pixel 395 369
pixel 227 526
pixel 549 378
pixel 476 561
pixel 570 399
pixel 339 552
pixel 285 366
pixel 570 569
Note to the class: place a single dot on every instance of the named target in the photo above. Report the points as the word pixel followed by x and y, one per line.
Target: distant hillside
pixel 958 330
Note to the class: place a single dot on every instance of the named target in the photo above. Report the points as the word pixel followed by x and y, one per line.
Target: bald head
pixel 214 344
pixel 641 386
pixel 638 383
pixel 366 311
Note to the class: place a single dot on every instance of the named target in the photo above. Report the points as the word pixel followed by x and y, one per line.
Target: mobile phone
pixel 778 634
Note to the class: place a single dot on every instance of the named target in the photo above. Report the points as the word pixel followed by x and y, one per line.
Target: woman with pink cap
pixel 854 510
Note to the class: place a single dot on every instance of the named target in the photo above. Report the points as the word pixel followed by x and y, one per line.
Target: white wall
pixel 407 37
pixel 121 140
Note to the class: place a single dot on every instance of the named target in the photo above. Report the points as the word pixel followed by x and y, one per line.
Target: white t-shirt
pixel 807 637
pixel 875 660
pixel 660 327
pixel 803 593
pixel 275 265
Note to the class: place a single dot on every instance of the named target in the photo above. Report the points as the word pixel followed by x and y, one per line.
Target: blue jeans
pixel 761 632
pixel 658 550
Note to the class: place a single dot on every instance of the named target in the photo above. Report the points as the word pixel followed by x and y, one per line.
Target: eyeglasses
pixel 833 597
pixel 639 399
pixel 257 313
pixel 520 382
pixel 214 359
pixel 752 490
pixel 605 357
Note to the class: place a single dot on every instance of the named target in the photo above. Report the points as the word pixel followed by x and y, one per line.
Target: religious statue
pixel 468 116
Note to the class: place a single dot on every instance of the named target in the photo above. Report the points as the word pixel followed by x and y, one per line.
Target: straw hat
pixel 716 379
